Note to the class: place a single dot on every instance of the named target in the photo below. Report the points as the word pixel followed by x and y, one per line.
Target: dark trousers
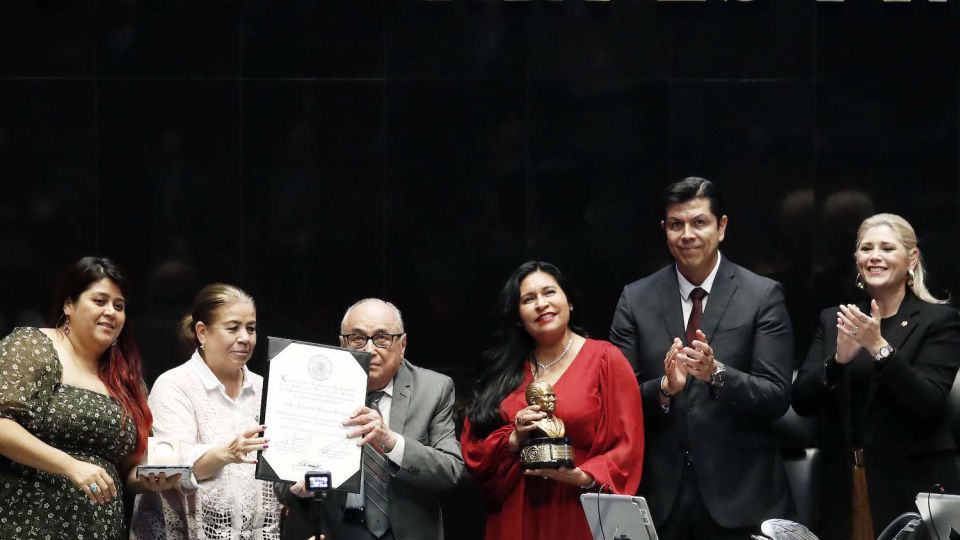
pixel 690 520
pixel 303 525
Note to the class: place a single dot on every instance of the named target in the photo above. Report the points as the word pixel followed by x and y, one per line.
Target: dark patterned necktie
pixel 376 480
pixel 696 314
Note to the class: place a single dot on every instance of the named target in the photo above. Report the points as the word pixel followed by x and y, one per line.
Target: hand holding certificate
pixel 310 390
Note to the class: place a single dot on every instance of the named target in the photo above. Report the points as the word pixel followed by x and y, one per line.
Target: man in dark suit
pixel 412 453
pixel 712 348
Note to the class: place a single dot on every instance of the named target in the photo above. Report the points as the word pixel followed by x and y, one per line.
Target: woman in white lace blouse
pixel 211 404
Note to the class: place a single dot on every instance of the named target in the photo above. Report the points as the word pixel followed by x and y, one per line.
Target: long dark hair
pixel 501 366
pixel 120 366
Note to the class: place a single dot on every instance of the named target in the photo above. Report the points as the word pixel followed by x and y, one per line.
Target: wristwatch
pixel 663 391
pixel 885 353
pixel 718 375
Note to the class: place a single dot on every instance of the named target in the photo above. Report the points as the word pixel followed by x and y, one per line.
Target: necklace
pixel 559 358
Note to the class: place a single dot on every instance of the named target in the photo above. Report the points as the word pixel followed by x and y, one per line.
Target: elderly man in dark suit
pixel 411 452
pixel 712 346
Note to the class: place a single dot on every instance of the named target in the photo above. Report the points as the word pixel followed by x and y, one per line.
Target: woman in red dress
pixel 597 399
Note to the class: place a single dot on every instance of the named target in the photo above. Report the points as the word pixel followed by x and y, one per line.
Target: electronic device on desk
pixel 618 517
pixel 941 514
pixel 164 456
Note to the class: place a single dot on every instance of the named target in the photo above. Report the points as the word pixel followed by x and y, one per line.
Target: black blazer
pixel 907 443
pixel 736 458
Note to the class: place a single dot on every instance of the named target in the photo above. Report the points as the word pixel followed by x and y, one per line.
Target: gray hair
pixel 346 315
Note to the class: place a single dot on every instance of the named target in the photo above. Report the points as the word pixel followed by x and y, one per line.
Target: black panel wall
pixel 319 152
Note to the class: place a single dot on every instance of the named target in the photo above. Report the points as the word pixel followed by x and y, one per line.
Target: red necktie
pixel 693 324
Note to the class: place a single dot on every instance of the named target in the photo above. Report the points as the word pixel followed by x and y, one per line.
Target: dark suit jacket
pixel 735 456
pixel 907 442
pixel 421 412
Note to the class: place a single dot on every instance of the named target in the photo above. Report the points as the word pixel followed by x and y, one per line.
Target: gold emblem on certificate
pixel 548 448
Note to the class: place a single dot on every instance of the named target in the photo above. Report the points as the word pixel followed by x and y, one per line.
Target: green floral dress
pixel 85 424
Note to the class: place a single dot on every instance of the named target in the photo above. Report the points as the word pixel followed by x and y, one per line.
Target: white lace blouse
pixel 190 404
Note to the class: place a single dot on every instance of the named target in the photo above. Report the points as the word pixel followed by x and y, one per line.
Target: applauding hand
pixel 698 358
pixel 855 329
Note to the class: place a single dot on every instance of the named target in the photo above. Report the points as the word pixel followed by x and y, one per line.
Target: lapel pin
pixel 904 323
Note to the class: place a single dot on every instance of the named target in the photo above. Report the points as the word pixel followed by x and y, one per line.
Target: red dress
pixel 599 402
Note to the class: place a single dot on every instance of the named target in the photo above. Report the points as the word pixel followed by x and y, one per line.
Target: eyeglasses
pixel 359 341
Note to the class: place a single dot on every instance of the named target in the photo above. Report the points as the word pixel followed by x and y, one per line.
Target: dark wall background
pixel 319 152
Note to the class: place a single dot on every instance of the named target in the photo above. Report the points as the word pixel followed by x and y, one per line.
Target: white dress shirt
pixel 686 303
pixel 395 455
pixel 356 500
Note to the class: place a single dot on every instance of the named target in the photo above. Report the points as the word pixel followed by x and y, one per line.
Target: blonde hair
pixel 906 235
pixel 205 304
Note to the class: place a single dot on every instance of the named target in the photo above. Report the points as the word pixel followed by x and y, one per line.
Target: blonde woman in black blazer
pixel 878 374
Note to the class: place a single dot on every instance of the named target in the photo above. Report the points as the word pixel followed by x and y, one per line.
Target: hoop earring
pixel 910 278
pixel 66 325
pixel 859 281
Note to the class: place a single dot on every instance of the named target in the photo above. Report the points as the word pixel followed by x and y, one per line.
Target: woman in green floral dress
pixel 73 414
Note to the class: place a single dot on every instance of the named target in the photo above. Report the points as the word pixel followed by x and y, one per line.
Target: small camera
pixel 317 481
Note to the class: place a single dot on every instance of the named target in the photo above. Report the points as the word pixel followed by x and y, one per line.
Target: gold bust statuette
pixel 547 448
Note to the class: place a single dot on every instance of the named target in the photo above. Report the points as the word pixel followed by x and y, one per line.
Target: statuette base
pixel 546 453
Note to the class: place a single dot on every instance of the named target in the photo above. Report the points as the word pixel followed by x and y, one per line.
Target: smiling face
pixel 882 260
pixel 98 315
pixel 228 340
pixel 544 309
pixel 694 234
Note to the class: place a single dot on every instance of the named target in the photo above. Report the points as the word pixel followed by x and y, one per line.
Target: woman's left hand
pixel 575 477
pixel 152 482
pixel 160 482
pixel 862 328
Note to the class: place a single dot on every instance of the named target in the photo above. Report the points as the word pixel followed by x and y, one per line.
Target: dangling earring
pixel 201 346
pixel 910 278
pixel 66 326
pixel 859 281
pixel 114 344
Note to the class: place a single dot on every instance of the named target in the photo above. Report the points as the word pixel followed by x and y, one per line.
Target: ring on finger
pixel 93 488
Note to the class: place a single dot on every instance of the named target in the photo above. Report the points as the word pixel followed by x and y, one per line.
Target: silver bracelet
pixel 591 485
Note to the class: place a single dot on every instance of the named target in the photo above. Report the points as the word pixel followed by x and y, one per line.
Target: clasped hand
pixel 856 330
pixel 696 359
pixel 372 429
